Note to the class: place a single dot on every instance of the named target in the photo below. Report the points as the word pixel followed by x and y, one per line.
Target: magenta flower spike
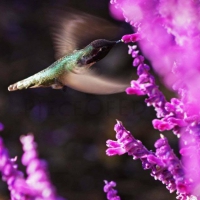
pixel 36 169
pixel 110 191
pixel 163 163
pixel 37 185
pixel 10 174
pixel 168 32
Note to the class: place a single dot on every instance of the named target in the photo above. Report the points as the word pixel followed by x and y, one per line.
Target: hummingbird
pixel 75 67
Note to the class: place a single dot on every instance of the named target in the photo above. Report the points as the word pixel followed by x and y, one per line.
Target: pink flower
pixel 37 185
pixel 164 164
pixel 111 192
pixel 167 32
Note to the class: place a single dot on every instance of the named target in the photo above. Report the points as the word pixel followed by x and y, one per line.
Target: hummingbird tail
pixel 45 78
pixel 40 79
pixel 24 84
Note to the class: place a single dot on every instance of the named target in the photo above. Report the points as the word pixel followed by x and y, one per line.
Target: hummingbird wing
pixel 90 82
pixel 72 30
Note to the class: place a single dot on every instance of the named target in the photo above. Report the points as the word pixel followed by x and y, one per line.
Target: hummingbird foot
pixel 57 85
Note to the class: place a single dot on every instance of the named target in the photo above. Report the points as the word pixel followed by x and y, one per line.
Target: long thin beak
pixel 118 41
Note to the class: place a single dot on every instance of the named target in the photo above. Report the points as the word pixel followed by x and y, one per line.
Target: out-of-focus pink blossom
pixel 110 191
pixel 38 179
pixel 174 116
pixel 1 126
pixel 115 13
pixel 170 32
pixel 37 185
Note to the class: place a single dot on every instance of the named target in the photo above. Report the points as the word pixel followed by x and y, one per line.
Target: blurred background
pixel 70 127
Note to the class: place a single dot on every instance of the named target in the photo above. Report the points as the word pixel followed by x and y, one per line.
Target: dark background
pixel 70 128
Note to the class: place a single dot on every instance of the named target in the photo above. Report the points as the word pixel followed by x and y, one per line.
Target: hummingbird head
pixel 98 50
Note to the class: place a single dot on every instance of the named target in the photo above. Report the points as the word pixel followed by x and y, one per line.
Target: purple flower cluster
pixel 111 193
pixel 168 35
pixel 164 164
pixel 37 185
pixel 172 114
pixel 9 172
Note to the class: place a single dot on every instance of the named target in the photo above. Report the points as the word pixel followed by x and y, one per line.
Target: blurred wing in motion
pixel 72 30
pixel 91 82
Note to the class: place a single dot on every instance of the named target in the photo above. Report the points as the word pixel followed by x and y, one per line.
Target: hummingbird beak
pixel 118 41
